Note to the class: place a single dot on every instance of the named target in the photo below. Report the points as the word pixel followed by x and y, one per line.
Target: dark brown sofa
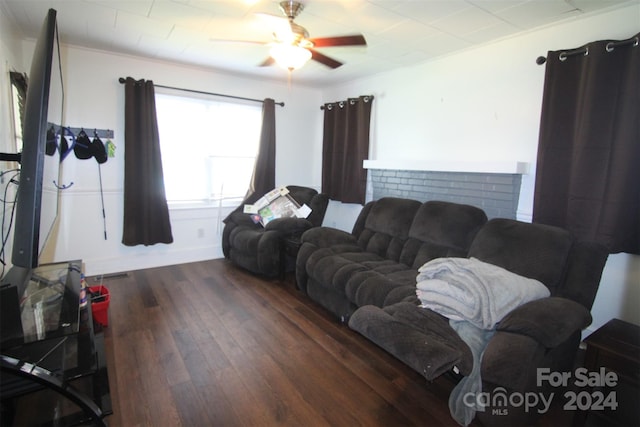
pixel 259 249
pixel 368 278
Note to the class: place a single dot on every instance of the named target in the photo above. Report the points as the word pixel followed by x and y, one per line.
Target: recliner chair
pixel 259 249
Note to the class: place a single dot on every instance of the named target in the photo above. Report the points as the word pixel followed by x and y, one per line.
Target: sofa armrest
pixel 550 321
pixel 324 237
pixel 290 225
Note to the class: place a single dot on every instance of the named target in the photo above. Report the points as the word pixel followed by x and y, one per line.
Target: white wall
pixel 483 105
pixel 95 99
pixel 10 60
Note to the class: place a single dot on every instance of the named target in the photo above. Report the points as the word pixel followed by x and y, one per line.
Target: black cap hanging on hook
pixel 82 149
pixel 98 149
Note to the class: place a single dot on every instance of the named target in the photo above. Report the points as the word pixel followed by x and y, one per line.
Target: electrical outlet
pixel 200 233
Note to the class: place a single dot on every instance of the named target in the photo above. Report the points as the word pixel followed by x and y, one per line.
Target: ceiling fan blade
pixel 267 62
pixel 353 40
pixel 325 60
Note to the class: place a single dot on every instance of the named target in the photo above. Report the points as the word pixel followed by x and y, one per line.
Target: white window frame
pixel 230 156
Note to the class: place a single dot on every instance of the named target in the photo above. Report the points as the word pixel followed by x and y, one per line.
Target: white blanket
pixel 475 291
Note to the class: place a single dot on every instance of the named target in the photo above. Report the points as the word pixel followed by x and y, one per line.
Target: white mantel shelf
pixel 514 167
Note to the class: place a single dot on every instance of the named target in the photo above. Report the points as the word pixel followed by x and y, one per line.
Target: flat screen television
pixel 36 209
pixel 37 195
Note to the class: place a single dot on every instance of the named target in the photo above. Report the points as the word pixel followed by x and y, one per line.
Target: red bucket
pixel 100 298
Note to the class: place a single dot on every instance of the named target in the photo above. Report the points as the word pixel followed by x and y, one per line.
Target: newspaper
pixel 277 203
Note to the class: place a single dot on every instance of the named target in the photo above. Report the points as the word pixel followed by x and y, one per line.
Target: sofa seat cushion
pixel 362 277
pixel 245 239
pixel 419 337
pixel 373 287
pixel 331 269
pixel 255 249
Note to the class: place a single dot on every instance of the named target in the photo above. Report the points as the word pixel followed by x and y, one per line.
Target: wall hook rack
pixel 100 133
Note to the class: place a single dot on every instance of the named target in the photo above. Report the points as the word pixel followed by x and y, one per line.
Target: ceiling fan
pixel 291 47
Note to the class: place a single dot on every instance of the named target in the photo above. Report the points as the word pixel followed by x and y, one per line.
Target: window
pixel 18 96
pixel 208 148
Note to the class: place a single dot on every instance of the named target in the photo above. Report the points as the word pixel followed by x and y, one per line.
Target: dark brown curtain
pixel 588 168
pixel 263 178
pixel 19 81
pixel 146 214
pixel 345 144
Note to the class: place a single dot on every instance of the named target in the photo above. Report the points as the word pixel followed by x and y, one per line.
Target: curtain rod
pixel 123 80
pixel 366 98
pixel 584 50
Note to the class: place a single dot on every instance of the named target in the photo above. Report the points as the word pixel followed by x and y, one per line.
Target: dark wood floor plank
pixel 291 403
pixel 209 344
pixel 216 403
pixel 129 385
pixel 145 286
pixel 246 334
pixel 156 389
pixel 363 368
pixel 249 411
pixel 225 328
pixel 194 359
pixel 179 313
pixel 191 408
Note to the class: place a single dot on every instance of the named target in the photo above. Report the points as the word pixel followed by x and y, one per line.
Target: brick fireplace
pixel 493 187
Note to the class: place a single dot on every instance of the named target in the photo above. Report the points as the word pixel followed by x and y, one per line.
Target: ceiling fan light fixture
pixel 291 8
pixel 290 57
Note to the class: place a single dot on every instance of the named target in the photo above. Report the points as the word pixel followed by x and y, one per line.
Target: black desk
pixel 56 372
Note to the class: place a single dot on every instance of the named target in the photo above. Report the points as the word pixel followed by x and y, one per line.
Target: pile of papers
pixel 277 203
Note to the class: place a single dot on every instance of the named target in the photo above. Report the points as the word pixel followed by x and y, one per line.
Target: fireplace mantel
pixel 514 167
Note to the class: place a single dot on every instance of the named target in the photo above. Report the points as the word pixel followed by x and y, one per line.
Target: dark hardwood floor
pixel 207 344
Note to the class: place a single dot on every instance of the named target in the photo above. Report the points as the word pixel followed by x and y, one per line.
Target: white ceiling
pixel 399 33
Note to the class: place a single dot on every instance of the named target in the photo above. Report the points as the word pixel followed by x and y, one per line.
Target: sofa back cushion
pixel 536 251
pixel 441 229
pixel 318 202
pixel 386 226
pixel 301 194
